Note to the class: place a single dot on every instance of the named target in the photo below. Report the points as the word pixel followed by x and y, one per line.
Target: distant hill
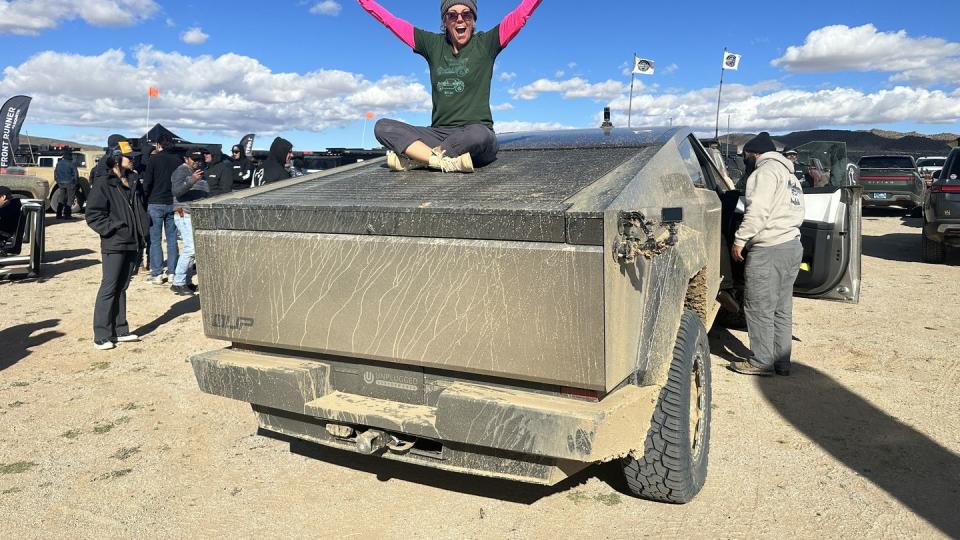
pixel 860 143
pixel 46 141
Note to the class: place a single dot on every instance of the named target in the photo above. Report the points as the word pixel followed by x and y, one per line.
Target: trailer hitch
pixel 637 236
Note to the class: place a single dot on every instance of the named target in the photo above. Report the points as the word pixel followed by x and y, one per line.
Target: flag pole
pixel 148 109
pixel 363 140
pixel 633 77
pixel 716 133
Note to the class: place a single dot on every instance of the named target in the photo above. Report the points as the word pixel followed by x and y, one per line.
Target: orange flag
pixel 369 115
pixel 153 91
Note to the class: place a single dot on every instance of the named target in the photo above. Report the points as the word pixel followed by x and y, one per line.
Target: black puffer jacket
pixel 274 168
pixel 118 213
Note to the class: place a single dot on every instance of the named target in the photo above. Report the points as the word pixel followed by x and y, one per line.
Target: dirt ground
pixel 863 440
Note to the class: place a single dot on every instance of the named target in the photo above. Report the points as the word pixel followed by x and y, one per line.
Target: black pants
pixel 110 311
pixel 69 195
pixel 475 139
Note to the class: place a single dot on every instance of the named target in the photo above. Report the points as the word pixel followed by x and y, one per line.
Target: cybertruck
pixel 543 314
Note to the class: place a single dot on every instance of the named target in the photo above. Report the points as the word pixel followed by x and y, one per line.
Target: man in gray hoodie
pixel 187 185
pixel 769 241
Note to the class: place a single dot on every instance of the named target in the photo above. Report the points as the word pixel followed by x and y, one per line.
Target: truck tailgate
pixel 522 310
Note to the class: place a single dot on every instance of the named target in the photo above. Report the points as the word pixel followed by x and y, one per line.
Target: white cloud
pixel 194 36
pixel 572 65
pixel 228 93
pixel 769 106
pixel 559 73
pixel 507 76
pixel 502 107
pixel 672 68
pixel 865 48
pixel 30 17
pixel 510 126
pixel 327 7
pixel 572 89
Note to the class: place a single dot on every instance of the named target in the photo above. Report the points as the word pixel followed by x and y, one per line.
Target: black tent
pixel 158 130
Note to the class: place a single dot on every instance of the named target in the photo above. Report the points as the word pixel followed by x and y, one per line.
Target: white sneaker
pixel 462 163
pixel 104 345
pixel 128 338
pixel 397 162
pixel 157 280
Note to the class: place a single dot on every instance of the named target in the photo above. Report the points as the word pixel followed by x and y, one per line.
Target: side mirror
pixel 936 175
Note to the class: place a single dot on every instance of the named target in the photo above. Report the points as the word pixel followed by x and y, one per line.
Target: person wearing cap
pixel 117 211
pixel 460 136
pixel 66 176
pixel 187 185
pixel 157 188
pixel 241 166
pixel 791 155
pixel 769 240
pixel 10 210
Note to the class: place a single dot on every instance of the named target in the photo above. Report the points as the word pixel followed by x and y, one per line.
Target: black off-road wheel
pixel 933 251
pixel 673 467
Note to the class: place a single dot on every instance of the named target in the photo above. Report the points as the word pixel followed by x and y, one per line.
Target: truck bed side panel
pixel 530 311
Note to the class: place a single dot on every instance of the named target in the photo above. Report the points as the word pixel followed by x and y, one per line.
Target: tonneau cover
pixel 524 195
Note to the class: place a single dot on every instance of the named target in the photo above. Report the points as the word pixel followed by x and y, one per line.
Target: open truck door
pixel 831 230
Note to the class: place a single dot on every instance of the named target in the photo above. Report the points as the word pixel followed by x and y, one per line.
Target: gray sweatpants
pixel 768 301
pixel 476 139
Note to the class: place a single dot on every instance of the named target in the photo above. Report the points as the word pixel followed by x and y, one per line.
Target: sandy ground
pixel 863 440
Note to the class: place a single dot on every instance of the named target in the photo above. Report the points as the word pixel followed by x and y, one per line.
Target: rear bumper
pixel 482 429
pixel 943 231
pixel 882 196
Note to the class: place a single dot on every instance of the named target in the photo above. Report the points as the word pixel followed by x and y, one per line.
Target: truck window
pixel 45 162
pixel 692 163
pixel 930 162
pixel 886 162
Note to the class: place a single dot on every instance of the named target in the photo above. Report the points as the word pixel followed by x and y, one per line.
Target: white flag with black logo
pixel 731 60
pixel 642 66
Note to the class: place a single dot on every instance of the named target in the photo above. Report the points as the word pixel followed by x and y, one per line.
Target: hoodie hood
pixel 775 157
pixel 279 150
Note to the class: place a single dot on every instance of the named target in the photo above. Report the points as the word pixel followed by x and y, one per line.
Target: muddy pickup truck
pixel 544 314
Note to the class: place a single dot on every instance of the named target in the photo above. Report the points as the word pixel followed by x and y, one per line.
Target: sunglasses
pixel 235 151
pixel 453 16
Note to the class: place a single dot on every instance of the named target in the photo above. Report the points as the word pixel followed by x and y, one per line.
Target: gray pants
pixel 110 311
pixel 65 208
pixel 768 301
pixel 475 139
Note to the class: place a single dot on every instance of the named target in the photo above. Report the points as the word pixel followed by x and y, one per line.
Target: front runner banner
pixel 644 66
pixel 247 144
pixel 12 115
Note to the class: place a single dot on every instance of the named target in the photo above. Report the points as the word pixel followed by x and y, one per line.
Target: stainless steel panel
pixel 531 311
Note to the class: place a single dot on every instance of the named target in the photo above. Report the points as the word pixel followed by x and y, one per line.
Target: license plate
pixel 879 196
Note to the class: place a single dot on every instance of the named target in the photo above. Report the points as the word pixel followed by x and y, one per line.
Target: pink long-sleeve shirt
pixel 509 27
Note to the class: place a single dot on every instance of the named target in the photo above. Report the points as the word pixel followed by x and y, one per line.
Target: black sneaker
pixel 181 290
pixel 193 287
pixel 782 370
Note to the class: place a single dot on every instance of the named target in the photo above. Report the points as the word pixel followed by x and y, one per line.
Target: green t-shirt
pixel 460 84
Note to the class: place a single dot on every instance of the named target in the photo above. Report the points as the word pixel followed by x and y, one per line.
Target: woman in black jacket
pixel 117 211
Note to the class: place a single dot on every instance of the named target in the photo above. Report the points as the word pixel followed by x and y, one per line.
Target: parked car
pixel 929 165
pixel 548 312
pixel 941 211
pixel 891 180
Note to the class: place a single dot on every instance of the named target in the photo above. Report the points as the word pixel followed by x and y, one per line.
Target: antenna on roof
pixel 607 124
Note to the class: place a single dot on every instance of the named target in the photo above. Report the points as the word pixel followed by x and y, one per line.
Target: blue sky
pixel 309 70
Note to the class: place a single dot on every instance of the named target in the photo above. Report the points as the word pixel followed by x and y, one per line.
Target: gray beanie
pixel 446 4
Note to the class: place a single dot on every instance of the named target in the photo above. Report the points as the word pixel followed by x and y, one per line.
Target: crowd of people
pixel 137 201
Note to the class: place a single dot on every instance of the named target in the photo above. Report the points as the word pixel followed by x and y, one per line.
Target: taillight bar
pixel 888 178
pixel 940 188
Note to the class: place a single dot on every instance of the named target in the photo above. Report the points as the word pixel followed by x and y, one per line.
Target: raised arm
pixel 401 28
pixel 511 24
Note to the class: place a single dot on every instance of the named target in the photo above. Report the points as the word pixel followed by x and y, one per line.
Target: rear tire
pixel 673 467
pixel 933 251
